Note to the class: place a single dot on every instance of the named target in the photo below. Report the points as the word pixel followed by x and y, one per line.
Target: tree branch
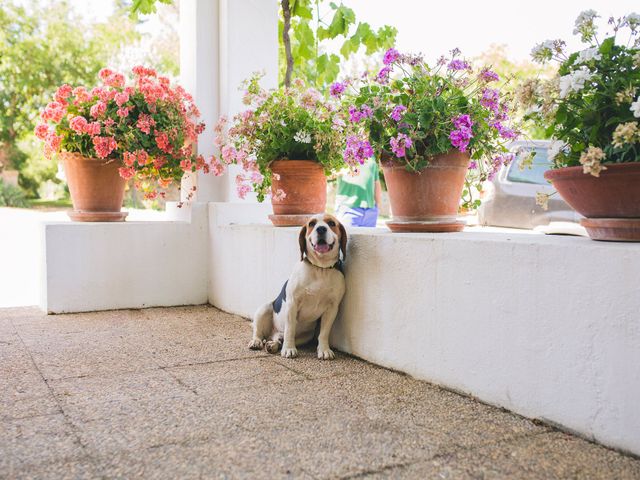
pixel 286 13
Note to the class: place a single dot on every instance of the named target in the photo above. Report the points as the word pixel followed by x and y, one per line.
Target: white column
pixel 222 42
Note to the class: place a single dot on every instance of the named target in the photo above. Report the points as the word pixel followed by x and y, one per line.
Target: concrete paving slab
pixel 82 469
pixel 539 457
pixel 23 391
pixel 34 441
pixel 253 373
pixel 307 364
pixel 25 394
pixel 129 394
pixel 175 393
pixel 238 457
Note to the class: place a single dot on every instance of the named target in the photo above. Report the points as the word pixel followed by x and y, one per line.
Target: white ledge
pixel 546 326
pixel 134 264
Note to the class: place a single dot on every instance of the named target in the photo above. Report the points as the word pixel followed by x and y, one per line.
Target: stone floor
pixel 175 393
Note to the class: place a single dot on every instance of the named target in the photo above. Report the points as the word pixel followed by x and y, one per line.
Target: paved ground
pixel 175 393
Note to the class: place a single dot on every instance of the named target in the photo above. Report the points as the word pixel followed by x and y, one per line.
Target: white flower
pixel 589 54
pixel 591 161
pixel 544 51
pixel 635 108
pixel 632 20
pixel 542 199
pixel 574 81
pixel 585 26
pixel 302 137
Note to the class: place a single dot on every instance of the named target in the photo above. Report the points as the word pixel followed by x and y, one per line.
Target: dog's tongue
pixel 322 247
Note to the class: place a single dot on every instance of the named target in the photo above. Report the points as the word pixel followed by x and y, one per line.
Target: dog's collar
pixel 337 265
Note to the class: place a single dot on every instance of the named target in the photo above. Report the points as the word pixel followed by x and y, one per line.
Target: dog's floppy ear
pixel 302 240
pixel 343 240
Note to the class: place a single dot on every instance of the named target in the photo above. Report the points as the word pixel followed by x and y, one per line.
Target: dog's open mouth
pixel 322 246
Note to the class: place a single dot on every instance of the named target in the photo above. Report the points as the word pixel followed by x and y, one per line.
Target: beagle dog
pixel 312 293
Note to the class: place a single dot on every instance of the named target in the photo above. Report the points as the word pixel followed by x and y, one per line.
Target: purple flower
pixel 399 144
pixel 397 112
pixel 463 133
pixel 336 89
pixel 457 64
pixel 390 56
pixel 357 151
pixel 491 99
pixel 497 162
pixel 463 121
pixel 489 76
pixel 473 165
pixel 504 131
pixel 383 75
pixel 356 115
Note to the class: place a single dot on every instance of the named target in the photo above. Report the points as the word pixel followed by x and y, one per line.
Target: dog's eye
pixel 331 223
pixel 312 223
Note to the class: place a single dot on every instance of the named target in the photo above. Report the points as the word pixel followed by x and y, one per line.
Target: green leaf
pixel 302 9
pixel 305 40
pixel 607 46
pixel 349 47
pixel 146 6
pixel 342 20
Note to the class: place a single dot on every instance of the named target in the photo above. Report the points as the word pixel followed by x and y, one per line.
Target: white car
pixel 509 200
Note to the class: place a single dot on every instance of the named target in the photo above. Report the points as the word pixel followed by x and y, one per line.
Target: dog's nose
pixel 321 229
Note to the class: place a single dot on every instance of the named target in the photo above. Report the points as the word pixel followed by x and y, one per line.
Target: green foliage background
pixel 319 27
pixel 42 47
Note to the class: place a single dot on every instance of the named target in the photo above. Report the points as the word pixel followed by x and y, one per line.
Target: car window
pixel 532 174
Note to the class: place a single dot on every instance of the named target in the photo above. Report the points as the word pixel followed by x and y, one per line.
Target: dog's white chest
pixel 314 291
pixel 315 299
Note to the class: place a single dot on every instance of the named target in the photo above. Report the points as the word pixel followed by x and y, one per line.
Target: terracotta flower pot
pixel 427 201
pixel 305 186
pixel 97 190
pixel 610 202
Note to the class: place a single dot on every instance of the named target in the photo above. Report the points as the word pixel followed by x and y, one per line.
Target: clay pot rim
pixel 578 172
pixel 81 157
pixel 292 163
pixel 462 158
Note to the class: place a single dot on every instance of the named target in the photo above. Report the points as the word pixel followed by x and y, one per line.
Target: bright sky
pixel 434 28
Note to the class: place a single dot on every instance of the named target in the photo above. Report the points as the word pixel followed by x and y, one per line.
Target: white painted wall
pixel 222 42
pixel 200 70
pixel 103 266
pixel 545 326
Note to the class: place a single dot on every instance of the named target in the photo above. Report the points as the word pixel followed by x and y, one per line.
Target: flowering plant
pixel 410 112
pixel 593 104
pixel 294 123
pixel 149 127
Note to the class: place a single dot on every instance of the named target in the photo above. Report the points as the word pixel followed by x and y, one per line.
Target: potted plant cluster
pixel 593 109
pixel 114 132
pixel 286 143
pixel 432 129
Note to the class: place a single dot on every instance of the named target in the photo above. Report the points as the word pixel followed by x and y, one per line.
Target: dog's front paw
pixel 289 352
pixel 272 346
pixel 256 344
pixel 326 354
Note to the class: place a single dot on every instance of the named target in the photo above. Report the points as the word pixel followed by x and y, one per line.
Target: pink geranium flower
pixel 98 110
pixel 119 119
pixel 104 146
